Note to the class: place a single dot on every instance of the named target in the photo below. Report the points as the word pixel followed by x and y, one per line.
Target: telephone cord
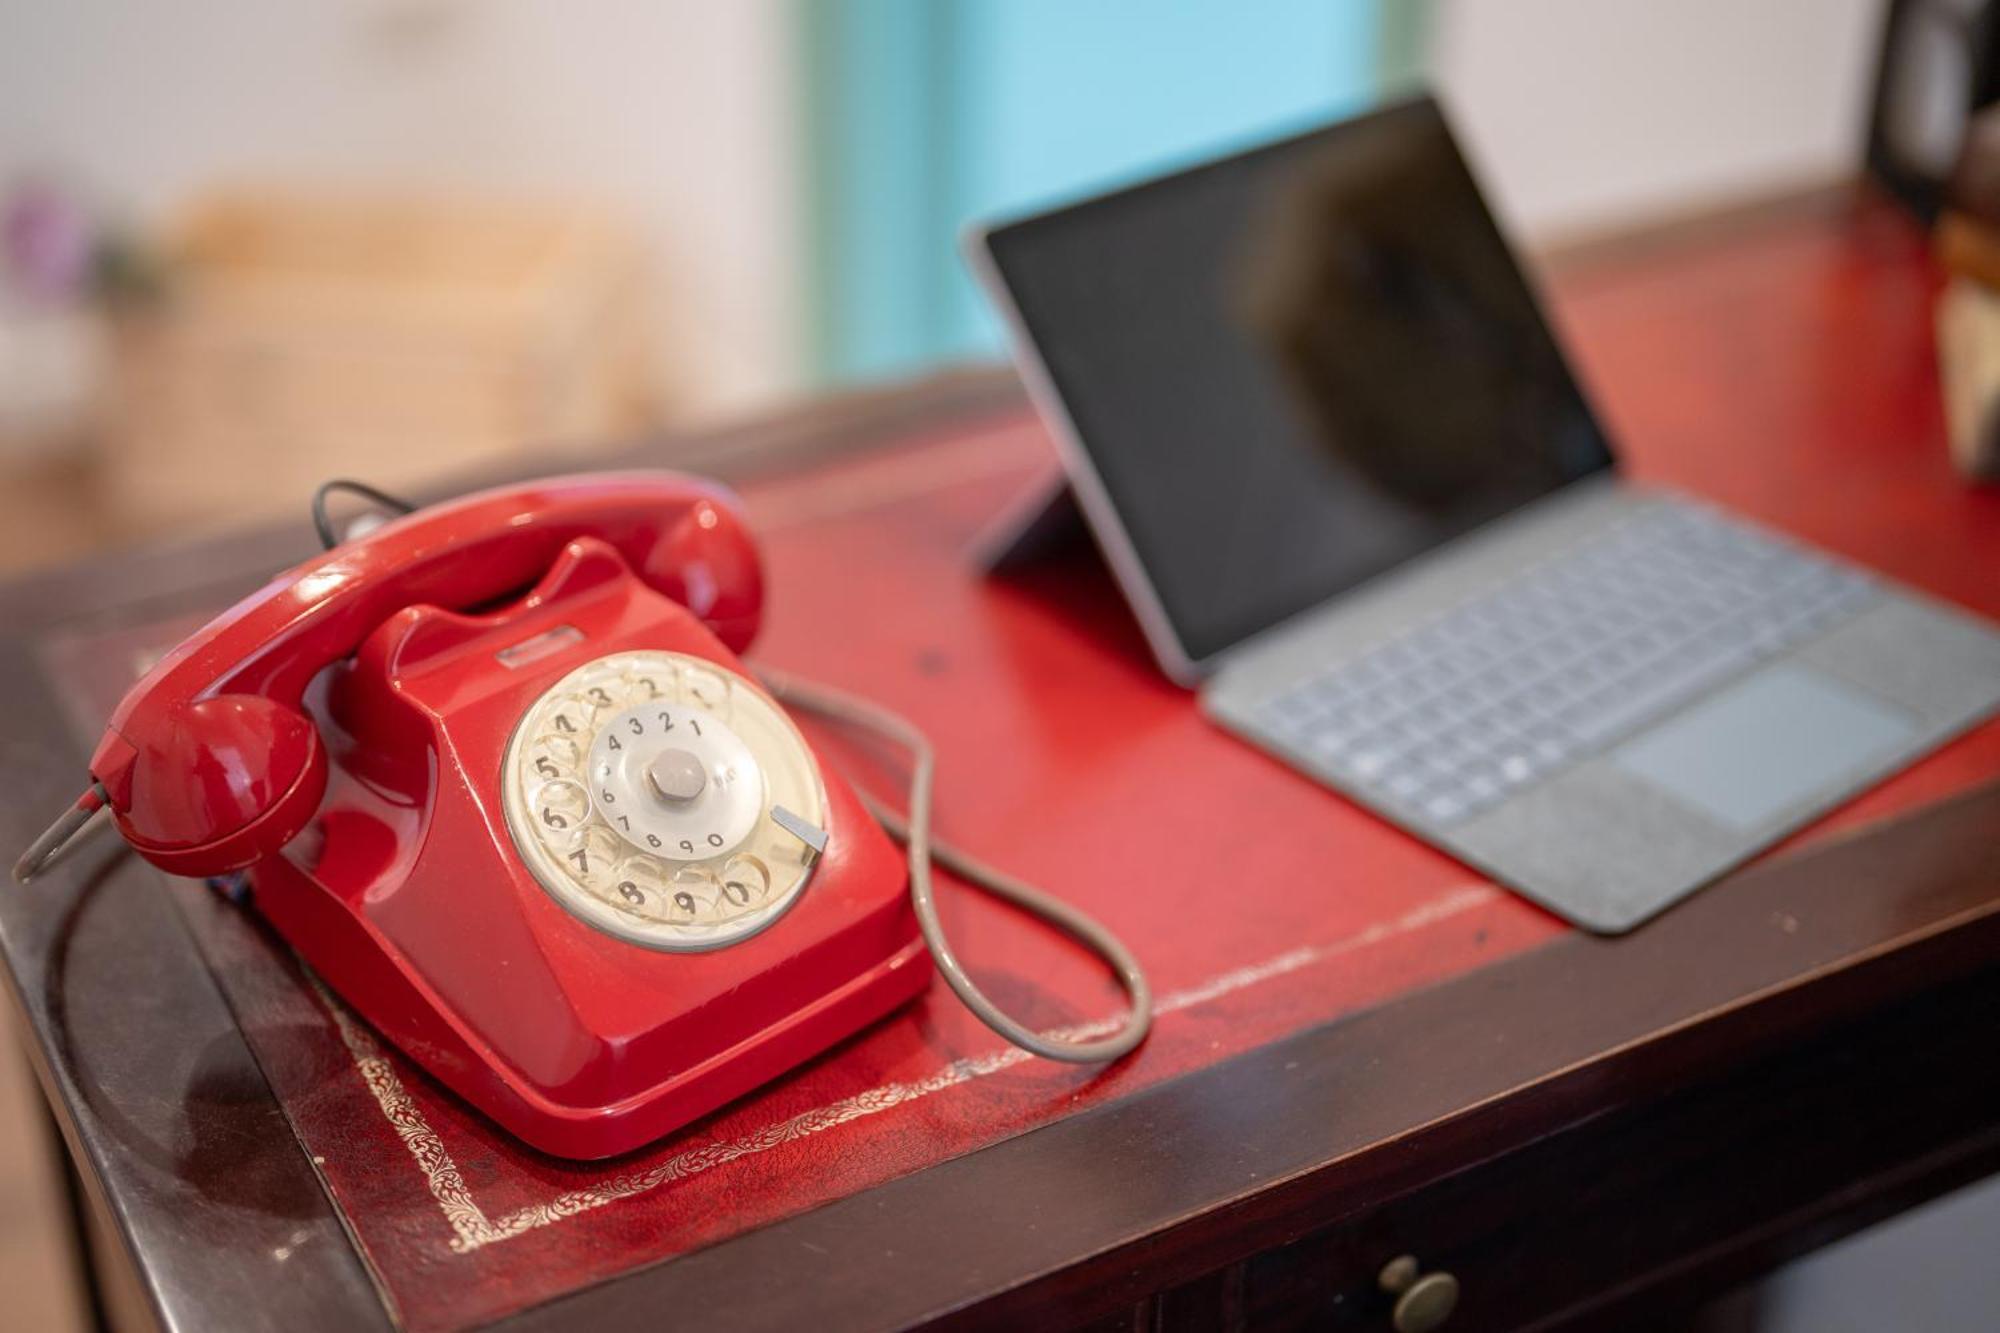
pixel 914 832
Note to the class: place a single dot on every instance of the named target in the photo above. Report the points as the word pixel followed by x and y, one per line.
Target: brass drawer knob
pixel 1423 1300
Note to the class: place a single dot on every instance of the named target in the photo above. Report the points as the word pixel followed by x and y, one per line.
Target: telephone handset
pixel 496 772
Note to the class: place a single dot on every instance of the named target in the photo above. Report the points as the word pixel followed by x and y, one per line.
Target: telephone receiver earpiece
pixel 213 784
pixel 210 763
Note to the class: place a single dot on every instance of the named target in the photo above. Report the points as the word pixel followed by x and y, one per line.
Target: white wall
pixel 1585 114
pixel 680 113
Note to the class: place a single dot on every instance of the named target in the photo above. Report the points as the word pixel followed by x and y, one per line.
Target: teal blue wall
pixel 924 114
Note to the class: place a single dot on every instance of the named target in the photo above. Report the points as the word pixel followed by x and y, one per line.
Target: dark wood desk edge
pixel 1086 1216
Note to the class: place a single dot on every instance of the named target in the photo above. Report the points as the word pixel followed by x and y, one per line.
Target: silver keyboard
pixel 1564 659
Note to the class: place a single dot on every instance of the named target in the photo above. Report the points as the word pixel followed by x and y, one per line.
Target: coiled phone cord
pixel 914 832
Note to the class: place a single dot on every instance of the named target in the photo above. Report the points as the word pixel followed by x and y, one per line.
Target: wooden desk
pixel 1582 1131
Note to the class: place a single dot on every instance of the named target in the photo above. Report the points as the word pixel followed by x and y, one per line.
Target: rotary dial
pixel 663 799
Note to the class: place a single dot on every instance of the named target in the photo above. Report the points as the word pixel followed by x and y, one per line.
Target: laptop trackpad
pixel 1764 744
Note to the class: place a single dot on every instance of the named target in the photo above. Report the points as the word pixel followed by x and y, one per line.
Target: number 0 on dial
pixel 665 801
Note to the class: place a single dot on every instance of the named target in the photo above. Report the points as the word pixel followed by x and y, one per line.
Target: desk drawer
pixel 1639 1213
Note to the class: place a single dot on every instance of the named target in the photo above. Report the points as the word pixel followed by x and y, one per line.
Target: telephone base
pixel 403 1009
pixel 428 920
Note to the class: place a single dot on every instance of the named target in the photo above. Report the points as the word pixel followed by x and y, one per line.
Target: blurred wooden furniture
pixel 51 362
pixel 1587 1133
pixel 1968 320
pixel 395 339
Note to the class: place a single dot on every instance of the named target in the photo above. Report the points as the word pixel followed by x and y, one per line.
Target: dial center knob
pixel 676 776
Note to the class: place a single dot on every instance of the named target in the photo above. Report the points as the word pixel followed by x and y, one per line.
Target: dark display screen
pixel 1297 367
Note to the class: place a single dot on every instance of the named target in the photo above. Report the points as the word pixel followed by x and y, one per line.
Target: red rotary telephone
pixel 495 771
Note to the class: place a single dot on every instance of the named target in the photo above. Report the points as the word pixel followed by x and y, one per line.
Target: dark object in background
pixel 1939 62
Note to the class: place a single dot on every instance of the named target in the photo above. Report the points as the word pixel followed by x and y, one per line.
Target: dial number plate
pixel 640 791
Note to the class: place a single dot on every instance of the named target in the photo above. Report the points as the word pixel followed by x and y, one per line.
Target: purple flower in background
pixel 48 242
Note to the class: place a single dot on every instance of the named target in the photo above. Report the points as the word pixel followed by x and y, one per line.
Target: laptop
pixel 1331 450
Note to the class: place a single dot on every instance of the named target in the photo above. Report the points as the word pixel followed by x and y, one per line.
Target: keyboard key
pixel 1329 741
pixel 1444 806
pixel 1404 784
pixel 1366 763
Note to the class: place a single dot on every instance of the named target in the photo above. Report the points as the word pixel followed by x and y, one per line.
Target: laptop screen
pixel 1297 367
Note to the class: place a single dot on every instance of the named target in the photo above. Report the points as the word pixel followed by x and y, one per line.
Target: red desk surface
pixel 1784 369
